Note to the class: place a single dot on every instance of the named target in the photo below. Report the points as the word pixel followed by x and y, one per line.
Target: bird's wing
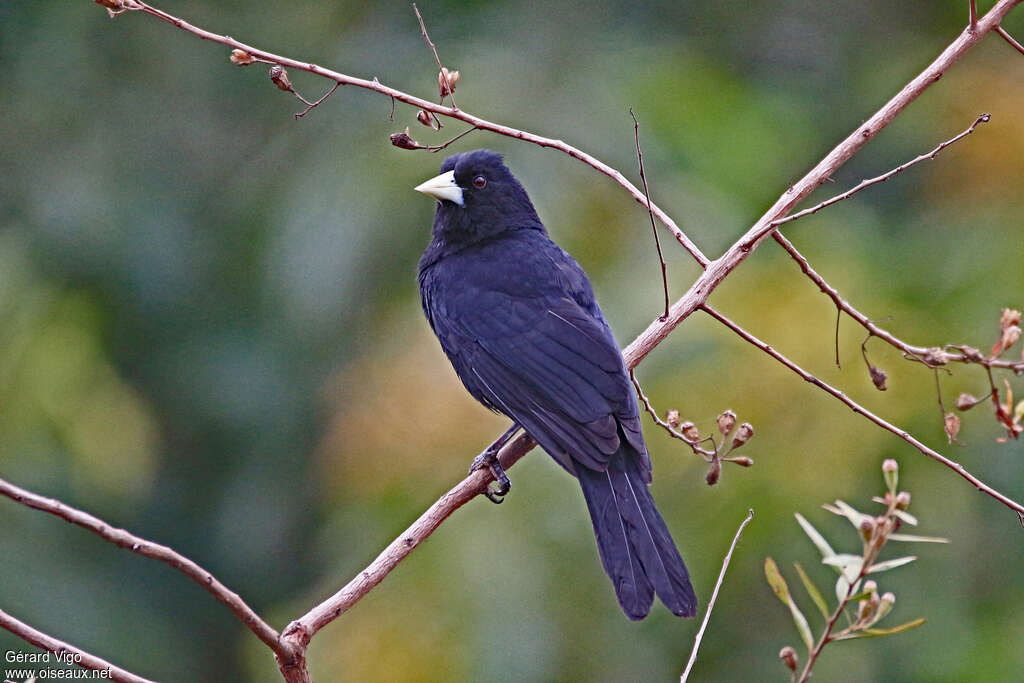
pixel 550 365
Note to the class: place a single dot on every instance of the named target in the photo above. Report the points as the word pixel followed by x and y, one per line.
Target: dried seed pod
pixel 241 58
pixel 280 78
pixel 446 81
pixel 404 141
pixel 790 658
pixel 878 377
pixel 672 418
pixel 743 434
pixel 714 472
pixel 690 431
pixel 966 402
pixel 951 424
pixel 726 421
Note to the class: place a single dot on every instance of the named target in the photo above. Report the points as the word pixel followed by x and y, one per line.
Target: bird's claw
pixel 489 459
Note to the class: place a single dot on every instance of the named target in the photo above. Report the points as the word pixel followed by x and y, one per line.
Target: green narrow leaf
pixel 906 517
pixel 812 591
pixel 875 632
pixel 781 590
pixel 843 560
pixel 891 564
pixel 775 580
pixel 816 538
pixel 844 509
pixel 911 538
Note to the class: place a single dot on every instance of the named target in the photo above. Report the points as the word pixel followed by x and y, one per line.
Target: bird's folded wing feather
pixel 550 365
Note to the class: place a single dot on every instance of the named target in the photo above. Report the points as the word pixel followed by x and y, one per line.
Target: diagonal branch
pixel 718 269
pixel 860 410
pixel 930 355
pixel 451 112
pixel 59 647
pixel 1016 46
pixel 141 546
pixel 927 156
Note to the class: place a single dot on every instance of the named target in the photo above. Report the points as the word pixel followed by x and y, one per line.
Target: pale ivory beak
pixel 442 187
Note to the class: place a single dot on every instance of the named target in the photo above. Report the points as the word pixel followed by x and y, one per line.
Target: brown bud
pixel 690 431
pixel 446 81
pixel 242 58
pixel 714 472
pixel 742 461
pixel 672 418
pixel 952 426
pixel 1010 336
pixel 280 78
pixel 425 118
pixel 867 527
pixel 966 402
pixel 903 500
pixel 743 434
pixel 971 353
pixel 726 421
pixel 404 141
pixel 935 356
pixel 790 658
pixel 1009 318
pixel 878 377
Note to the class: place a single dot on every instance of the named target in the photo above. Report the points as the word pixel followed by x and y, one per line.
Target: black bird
pixel 517 318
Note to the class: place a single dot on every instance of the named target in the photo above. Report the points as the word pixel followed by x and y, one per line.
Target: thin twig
pixel 928 355
pixel 1017 46
pixel 311 105
pixel 972 14
pixel 984 118
pixel 673 432
pixel 433 49
pixel 451 112
pixel 717 270
pixel 714 595
pixel 647 196
pixel 860 410
pixel 59 647
pixel 141 546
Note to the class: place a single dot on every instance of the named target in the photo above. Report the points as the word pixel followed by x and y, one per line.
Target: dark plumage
pixel 517 318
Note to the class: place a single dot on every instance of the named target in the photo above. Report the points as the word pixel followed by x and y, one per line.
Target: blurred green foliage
pixel 211 333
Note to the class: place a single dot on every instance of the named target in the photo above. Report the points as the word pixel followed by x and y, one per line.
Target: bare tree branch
pixel 78 656
pixel 451 112
pixel 141 546
pixel 984 118
pixel 860 410
pixel 302 629
pixel 929 355
pixel 654 228
pixel 717 270
pixel 1016 46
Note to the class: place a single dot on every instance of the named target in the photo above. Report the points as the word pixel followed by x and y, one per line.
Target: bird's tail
pixel 636 549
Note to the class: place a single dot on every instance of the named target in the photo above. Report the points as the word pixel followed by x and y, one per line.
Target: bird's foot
pixel 501 484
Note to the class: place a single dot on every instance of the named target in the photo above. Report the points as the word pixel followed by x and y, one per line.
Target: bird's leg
pixel 489 459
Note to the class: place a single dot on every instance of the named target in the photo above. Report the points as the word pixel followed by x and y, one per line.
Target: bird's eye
pixel 479 182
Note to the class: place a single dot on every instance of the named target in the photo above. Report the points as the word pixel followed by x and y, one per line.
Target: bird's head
pixel 478 197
